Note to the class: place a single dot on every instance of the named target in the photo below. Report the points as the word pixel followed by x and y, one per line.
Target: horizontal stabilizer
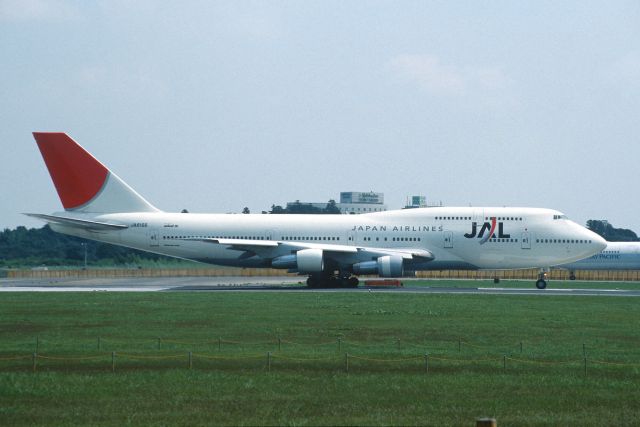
pixel 78 223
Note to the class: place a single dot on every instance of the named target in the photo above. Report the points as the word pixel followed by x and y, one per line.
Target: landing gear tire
pixel 313 281
pixel 332 282
pixel 572 276
pixel 496 280
pixel 541 284
pixel 348 282
pixel 317 281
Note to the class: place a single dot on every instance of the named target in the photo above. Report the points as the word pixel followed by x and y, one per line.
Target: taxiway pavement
pixel 270 284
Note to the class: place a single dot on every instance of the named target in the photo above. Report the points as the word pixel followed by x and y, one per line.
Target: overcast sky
pixel 213 106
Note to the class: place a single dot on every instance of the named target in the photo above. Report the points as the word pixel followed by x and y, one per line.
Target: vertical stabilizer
pixel 83 183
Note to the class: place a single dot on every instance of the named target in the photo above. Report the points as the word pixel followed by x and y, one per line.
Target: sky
pixel 217 105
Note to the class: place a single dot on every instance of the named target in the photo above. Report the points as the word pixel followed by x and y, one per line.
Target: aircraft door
pixel 154 238
pixel 351 238
pixel 526 240
pixel 448 239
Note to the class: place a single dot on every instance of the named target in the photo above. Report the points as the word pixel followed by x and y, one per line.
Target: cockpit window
pixel 560 217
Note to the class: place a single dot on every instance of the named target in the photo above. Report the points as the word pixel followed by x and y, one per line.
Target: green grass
pixel 386 336
pixel 521 284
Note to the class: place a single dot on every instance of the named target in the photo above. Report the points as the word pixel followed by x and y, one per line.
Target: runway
pixel 275 284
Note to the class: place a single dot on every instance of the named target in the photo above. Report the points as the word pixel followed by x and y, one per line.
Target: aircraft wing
pixel 341 254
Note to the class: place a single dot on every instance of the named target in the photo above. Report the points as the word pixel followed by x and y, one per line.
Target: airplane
pixel 616 256
pixel 332 250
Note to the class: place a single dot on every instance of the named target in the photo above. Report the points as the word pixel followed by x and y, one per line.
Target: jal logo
pixel 491 226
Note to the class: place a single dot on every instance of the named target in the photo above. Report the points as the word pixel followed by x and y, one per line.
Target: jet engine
pixel 384 266
pixel 304 261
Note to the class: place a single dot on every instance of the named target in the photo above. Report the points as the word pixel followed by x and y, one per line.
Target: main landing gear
pixel 542 282
pixel 332 281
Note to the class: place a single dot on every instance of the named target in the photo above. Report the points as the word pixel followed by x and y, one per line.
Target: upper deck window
pixel 560 217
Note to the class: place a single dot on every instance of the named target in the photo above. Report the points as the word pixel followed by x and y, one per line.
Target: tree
pixel 611 234
pixel 36 246
pixel 302 208
pixel 277 209
pixel 246 210
pixel 332 208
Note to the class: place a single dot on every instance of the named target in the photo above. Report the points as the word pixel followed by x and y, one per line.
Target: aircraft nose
pixel 598 241
pixel 598 244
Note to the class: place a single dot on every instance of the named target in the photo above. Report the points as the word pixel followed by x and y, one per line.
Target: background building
pixel 355 202
pixel 351 202
pixel 420 202
pixel 416 202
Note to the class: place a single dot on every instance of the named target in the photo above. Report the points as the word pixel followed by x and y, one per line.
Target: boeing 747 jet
pixel 332 250
pixel 616 256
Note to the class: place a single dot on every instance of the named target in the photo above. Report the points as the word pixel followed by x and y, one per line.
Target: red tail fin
pixel 76 174
pixel 83 183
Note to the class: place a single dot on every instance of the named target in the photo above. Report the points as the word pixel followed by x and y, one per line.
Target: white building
pixel 351 202
pixel 356 202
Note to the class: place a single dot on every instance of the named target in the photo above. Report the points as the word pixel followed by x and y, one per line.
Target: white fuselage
pixel 456 236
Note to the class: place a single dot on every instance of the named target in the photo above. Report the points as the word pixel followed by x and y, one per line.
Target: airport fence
pixel 91 273
pixel 529 274
pixel 339 354
pixel 532 274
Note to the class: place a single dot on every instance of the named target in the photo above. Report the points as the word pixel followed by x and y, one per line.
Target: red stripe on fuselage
pixel 493 226
pixel 76 174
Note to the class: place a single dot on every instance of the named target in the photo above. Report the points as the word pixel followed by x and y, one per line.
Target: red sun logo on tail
pixel 76 174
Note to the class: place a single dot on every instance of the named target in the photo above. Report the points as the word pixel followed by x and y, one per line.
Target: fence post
pixel 459 345
pixel 339 344
pixel 37 342
pixel 520 347
pixel 585 366
pixel 98 343
pixel 398 343
pixel 219 343
pixel 35 358
pixel 584 350
pixel 346 361
pixel 504 362
pixel 486 422
pixel 190 360
pixel 158 343
pixel 113 361
pixel 279 343
pixel 426 362
pixel 269 361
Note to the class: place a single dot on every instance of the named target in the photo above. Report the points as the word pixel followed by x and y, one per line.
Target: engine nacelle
pixel 390 266
pixel 304 261
pixel 285 261
pixel 366 267
pixel 385 266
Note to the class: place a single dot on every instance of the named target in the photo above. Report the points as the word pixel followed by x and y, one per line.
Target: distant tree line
pixel 42 246
pixel 610 233
pixel 306 208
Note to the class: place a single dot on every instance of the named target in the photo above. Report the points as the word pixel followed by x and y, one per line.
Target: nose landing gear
pixel 541 283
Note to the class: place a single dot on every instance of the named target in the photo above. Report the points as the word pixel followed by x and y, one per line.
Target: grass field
pixel 522 284
pixel 468 338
